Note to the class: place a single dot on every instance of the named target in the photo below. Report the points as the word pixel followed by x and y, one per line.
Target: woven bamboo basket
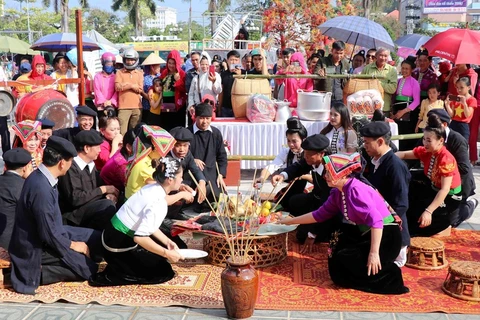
pixel 264 251
pixel 355 85
pixel 463 280
pixel 4 264
pixel 426 254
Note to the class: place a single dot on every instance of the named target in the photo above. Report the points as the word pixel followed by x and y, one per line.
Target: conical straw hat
pixel 153 59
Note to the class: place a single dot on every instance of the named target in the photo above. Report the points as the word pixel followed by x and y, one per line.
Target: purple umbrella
pixel 57 42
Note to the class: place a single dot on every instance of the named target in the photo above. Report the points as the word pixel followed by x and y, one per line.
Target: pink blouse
pixel 104 88
pixel 113 172
pixel 409 87
pixel 105 149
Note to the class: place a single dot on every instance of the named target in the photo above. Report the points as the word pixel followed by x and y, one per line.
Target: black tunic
pixel 209 147
pixel 38 228
pixel 392 180
pixel 10 188
pixel 81 199
pixel 67 133
pixel 188 164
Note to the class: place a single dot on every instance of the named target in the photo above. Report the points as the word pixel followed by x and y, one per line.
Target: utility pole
pixel 190 27
pixel 28 23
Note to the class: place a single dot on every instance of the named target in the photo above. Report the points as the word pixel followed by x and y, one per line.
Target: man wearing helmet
pixel 104 84
pixel 129 86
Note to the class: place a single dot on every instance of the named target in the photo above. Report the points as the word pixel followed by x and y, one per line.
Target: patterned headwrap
pixel 340 165
pixel 26 129
pixel 161 140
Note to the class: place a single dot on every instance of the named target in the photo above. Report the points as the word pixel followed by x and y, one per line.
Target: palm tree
pixel 215 6
pixel 61 6
pixel 133 10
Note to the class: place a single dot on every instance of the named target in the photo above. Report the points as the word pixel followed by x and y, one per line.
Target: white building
pixel 163 17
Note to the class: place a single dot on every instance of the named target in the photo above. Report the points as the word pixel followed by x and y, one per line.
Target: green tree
pixel 104 22
pixel 198 31
pixel 215 6
pixel 61 7
pixel 393 26
pixel 419 29
pixel 134 11
pixel 42 22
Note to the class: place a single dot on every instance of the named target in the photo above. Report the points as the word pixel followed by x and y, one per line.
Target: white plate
pixel 270 229
pixel 192 253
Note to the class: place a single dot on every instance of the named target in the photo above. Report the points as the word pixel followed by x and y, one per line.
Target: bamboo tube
pixel 308 76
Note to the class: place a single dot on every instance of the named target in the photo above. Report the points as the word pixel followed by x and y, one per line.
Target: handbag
pixel 400 105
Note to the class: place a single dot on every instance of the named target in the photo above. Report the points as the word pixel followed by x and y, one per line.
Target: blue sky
pixel 198 6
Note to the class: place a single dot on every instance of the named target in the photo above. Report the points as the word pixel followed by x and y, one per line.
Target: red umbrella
pixel 456 45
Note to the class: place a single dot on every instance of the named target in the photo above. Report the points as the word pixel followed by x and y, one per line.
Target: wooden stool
pixel 4 264
pixel 426 254
pixel 462 281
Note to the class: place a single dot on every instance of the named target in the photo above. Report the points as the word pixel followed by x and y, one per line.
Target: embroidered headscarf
pixel 340 165
pixel 26 129
pixel 150 137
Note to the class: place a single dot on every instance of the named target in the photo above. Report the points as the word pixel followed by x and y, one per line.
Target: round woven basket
pixel 426 254
pixel 462 281
pixel 425 244
pixel 264 250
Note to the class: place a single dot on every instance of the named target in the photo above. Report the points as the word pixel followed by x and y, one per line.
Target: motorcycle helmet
pixel 130 54
pixel 108 57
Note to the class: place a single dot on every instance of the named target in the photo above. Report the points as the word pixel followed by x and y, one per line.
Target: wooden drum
pixel 49 104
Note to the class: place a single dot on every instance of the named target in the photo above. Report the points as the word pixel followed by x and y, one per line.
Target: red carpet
pixel 298 283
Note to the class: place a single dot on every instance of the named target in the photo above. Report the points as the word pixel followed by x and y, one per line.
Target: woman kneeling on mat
pixel 362 252
pixel 136 251
pixel 430 207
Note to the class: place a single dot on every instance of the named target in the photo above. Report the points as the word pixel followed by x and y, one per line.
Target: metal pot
pixel 283 111
pixel 7 102
pixel 313 101
pixel 313 115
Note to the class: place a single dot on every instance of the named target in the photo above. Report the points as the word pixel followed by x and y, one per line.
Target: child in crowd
pixel 155 99
pixel 295 133
pixel 343 139
pixel 460 108
pixel 428 104
pixel 109 126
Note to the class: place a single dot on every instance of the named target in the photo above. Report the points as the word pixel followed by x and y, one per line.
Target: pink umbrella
pixel 405 52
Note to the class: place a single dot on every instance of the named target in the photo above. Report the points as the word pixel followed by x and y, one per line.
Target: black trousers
pixel 94 215
pixel 5 134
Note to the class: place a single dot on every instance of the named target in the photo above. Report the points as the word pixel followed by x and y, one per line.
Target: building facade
pixel 163 17
pixel 446 13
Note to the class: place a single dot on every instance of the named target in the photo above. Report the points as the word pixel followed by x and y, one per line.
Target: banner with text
pixel 445 6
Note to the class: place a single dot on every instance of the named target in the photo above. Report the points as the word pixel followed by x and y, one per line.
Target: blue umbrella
pixel 413 41
pixel 357 31
pixel 57 42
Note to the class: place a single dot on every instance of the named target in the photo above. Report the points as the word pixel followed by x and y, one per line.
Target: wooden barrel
pixel 242 89
pixel 49 104
pixel 7 102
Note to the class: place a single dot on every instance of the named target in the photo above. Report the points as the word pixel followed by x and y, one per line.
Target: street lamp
pixel 176 29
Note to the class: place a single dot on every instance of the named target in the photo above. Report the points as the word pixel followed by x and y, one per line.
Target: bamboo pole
pixel 308 76
pixel 79 31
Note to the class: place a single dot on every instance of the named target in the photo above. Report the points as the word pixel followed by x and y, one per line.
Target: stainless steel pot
pixel 313 115
pixel 313 101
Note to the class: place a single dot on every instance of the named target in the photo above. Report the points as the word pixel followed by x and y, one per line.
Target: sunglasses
pixel 371 56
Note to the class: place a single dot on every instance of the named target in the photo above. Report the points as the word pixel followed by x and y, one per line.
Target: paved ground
pixel 69 311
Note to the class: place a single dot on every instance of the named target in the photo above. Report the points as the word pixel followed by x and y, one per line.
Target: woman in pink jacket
pixel 104 84
pixel 297 66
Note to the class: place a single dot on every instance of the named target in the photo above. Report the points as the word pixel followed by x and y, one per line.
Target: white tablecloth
pixel 263 139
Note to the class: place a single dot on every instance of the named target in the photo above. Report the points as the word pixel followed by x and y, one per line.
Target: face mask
pixel 108 69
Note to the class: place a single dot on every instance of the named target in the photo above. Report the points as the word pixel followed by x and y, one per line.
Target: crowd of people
pixel 145 150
